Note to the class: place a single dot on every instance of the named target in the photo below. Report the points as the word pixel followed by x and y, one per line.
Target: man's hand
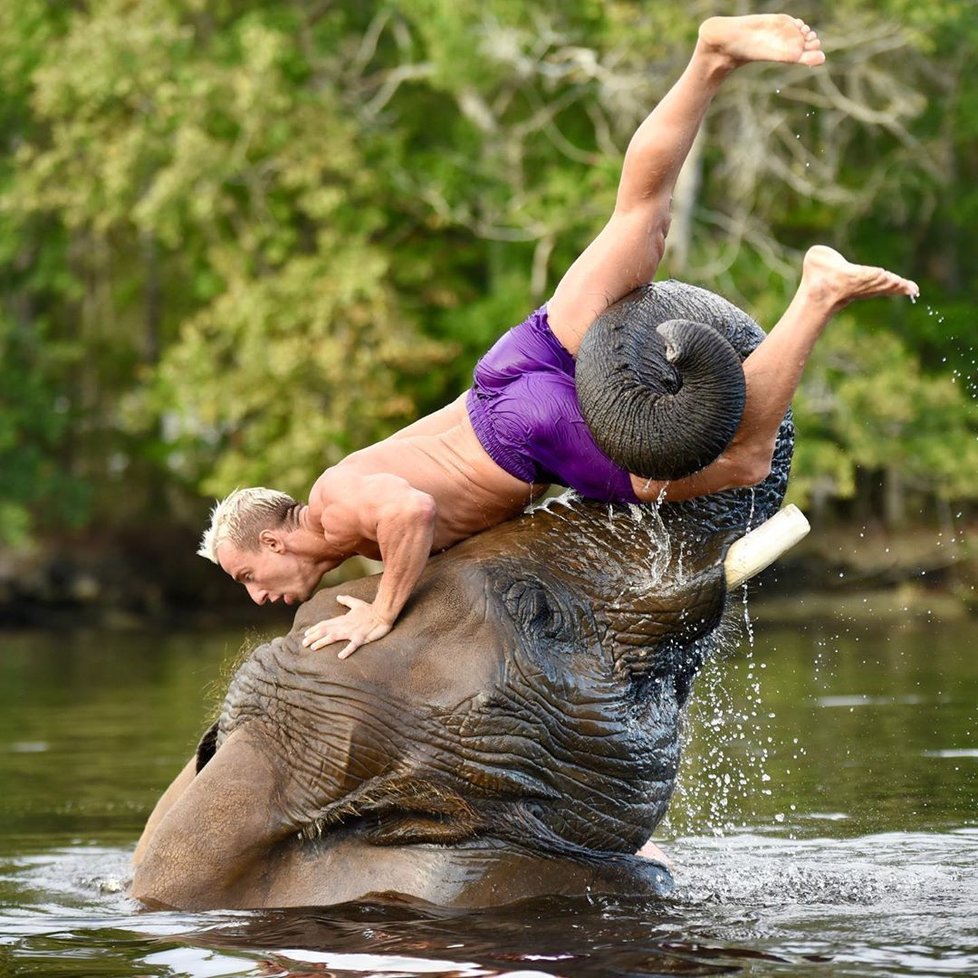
pixel 360 625
pixel 382 513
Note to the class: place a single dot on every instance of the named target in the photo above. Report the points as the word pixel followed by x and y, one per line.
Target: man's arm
pixel 401 521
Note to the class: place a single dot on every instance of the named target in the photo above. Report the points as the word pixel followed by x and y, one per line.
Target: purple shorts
pixel 523 407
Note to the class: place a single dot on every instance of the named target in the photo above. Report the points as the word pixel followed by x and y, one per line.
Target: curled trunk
pixel 663 396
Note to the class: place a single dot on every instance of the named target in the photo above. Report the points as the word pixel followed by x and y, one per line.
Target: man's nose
pixel 257 594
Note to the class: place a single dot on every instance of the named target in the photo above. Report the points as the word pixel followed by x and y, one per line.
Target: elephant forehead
pixel 447 646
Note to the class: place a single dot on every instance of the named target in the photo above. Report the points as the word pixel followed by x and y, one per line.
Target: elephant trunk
pixel 662 397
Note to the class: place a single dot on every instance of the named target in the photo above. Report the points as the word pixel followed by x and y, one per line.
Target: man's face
pixel 270 574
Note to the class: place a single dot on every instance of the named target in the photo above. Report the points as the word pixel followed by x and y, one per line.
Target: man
pixel 462 469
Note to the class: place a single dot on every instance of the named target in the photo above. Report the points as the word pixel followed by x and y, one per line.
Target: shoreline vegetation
pixel 849 570
pixel 234 249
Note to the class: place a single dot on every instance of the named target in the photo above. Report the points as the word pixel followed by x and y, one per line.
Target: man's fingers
pixel 321 643
pixel 350 648
pixel 324 628
pixel 344 628
pixel 325 633
pixel 315 634
pixel 328 637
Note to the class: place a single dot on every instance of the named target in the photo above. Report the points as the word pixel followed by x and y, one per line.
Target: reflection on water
pixel 825 824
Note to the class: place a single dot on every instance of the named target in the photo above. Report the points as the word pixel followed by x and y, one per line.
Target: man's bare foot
pixel 827 277
pixel 760 37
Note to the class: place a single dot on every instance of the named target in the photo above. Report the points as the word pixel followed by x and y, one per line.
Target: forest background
pixel 239 240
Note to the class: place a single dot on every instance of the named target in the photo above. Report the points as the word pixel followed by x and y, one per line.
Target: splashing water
pixel 970 380
pixel 727 742
pixel 770 906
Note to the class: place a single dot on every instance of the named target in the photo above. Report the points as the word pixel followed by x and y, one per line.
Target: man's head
pixel 252 536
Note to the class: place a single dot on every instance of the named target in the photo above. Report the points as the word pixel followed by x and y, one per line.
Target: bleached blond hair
pixel 240 517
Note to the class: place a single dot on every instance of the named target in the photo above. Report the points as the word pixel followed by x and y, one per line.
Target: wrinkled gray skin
pixel 516 734
pixel 662 395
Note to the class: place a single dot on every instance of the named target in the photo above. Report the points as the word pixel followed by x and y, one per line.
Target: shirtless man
pixel 454 473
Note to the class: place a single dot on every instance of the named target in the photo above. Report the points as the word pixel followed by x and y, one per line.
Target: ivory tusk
pixel 762 546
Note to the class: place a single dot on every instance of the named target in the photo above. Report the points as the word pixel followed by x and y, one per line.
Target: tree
pixel 246 239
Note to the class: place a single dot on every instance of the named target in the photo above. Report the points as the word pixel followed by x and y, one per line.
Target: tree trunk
pixel 894 499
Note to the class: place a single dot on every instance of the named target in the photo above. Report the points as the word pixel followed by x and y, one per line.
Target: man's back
pixel 440 456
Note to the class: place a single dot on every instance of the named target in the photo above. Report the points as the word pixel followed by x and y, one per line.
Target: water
pixel 826 824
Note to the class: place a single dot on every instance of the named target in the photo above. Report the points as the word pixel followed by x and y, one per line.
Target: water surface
pixel 826 823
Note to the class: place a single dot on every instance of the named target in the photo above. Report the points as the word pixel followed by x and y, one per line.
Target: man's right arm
pixel 399 521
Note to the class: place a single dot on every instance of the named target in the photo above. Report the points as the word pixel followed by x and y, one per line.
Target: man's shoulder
pixel 333 485
pixel 338 509
pixel 349 485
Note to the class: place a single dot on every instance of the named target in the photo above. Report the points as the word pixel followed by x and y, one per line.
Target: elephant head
pixel 516 734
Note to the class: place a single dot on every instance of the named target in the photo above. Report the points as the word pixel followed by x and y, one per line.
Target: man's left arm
pixel 401 520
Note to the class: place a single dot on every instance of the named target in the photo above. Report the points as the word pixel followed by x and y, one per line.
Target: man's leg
pixel 627 251
pixel 828 283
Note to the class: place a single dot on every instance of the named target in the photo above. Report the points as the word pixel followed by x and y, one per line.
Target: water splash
pixel 873 872
pixel 968 379
pixel 727 746
pixel 767 905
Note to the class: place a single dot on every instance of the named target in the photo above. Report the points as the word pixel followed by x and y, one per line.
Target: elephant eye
pixel 534 609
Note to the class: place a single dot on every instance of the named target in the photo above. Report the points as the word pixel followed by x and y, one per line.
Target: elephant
pixel 517 734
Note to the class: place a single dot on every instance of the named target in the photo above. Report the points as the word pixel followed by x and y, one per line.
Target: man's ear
pixel 272 540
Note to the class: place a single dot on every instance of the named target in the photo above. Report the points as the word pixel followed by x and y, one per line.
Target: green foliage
pixel 33 421
pixel 293 370
pixel 865 403
pixel 241 240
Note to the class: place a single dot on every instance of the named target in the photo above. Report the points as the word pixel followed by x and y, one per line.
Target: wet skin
pixel 517 734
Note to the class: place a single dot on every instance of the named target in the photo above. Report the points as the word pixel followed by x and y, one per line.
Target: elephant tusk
pixel 762 546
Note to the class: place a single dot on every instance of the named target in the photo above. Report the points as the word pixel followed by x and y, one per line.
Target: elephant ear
pixel 207 747
pixel 661 398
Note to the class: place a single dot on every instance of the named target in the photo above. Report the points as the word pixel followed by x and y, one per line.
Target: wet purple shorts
pixel 523 406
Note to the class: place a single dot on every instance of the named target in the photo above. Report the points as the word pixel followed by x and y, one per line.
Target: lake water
pixel 826 823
